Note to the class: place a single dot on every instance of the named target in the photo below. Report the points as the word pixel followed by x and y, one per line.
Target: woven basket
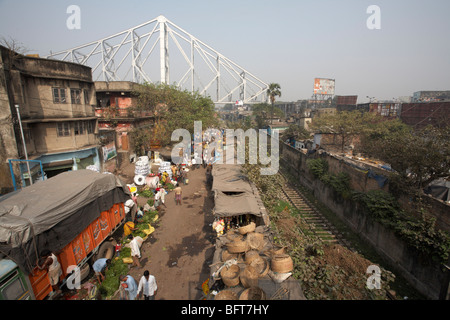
pixel 230 275
pixel 253 293
pixel 249 277
pixel 233 235
pixel 261 266
pixel 227 255
pixel 237 246
pixel 251 255
pixel 255 240
pixel 276 251
pixel 282 263
pixel 226 295
pixel 248 228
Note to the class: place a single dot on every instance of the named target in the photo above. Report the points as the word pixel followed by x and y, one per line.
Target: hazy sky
pixel 288 42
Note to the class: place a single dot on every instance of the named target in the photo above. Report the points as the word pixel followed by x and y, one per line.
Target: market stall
pixel 247 265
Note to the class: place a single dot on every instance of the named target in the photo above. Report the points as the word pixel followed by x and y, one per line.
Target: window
pixel 90 127
pixel 86 96
pixel 59 95
pixel 27 134
pixel 75 96
pixel 78 127
pixel 63 129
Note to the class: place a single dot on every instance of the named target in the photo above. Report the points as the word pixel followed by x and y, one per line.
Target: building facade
pixel 50 105
pixel 117 117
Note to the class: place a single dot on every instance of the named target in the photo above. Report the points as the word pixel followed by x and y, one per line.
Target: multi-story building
pixel 117 117
pixel 50 104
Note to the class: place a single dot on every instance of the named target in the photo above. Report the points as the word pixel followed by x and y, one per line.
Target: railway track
pixel 318 224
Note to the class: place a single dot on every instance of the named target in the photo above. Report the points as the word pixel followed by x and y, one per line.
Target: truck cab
pixel 14 284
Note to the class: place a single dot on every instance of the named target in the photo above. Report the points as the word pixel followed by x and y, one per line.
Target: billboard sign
pixel 324 86
pixel 347 100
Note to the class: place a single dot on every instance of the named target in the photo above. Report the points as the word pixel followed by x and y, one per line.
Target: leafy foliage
pixel 419 232
pixel 263 111
pixel 418 157
pixel 296 131
pixel 318 167
pixel 339 182
pixel 344 124
pixel 174 109
pixel 146 193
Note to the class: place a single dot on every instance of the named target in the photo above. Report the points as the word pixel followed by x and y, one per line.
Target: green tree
pixel 296 131
pixel 261 112
pixel 418 157
pixel 344 124
pixel 174 108
pixel 273 91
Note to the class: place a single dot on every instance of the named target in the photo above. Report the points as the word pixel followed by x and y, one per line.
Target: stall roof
pixel 229 178
pixel 237 204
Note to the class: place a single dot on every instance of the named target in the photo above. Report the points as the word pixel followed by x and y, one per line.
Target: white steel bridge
pixel 131 55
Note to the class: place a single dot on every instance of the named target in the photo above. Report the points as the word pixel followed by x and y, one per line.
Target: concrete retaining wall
pixel 423 274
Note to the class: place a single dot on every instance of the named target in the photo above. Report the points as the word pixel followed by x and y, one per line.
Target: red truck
pixel 73 214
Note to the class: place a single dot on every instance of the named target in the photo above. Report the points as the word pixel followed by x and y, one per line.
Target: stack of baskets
pixel 165 167
pixel 230 275
pixel 254 260
pixel 141 170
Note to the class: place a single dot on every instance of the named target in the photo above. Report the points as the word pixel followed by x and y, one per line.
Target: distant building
pixel 288 107
pixel 117 117
pixel 56 105
pixel 430 96
pixel 422 114
pixel 386 109
pixel 303 119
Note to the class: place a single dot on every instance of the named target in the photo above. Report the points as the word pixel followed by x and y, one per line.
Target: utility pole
pixel 24 144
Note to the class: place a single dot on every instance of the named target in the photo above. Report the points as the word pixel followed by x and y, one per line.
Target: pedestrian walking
pixel 178 193
pixel 129 287
pixel 162 196
pixel 147 286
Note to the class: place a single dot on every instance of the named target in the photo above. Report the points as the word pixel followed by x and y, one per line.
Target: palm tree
pixel 273 91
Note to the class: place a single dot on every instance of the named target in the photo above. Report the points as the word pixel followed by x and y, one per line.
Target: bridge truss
pixel 131 55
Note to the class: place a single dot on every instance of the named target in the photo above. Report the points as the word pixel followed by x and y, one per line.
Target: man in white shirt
pixel 135 245
pixel 147 286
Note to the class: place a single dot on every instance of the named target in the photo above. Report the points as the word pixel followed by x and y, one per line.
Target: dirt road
pixel 179 251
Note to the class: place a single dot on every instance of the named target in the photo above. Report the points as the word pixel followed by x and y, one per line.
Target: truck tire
pixel 84 272
pixel 106 250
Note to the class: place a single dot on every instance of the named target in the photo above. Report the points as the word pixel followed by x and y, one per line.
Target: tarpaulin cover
pixel 236 204
pixel 229 178
pixel 439 189
pixel 51 213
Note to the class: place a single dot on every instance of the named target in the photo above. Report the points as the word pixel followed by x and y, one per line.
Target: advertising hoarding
pixel 324 86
